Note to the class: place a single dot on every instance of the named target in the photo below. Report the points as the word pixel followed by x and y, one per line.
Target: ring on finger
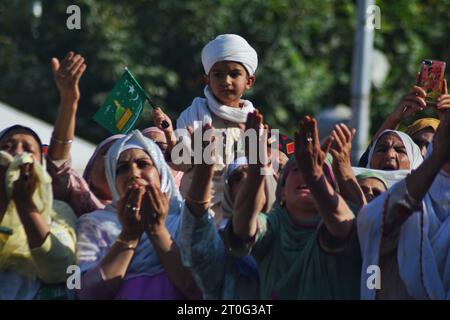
pixel 133 208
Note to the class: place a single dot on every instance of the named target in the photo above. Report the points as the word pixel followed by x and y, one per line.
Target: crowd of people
pixel 140 224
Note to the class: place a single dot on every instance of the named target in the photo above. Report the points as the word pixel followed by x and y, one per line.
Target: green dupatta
pixel 292 265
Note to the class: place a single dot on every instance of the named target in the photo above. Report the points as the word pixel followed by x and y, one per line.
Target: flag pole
pixel 164 124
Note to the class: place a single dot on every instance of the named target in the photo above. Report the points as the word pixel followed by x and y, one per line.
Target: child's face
pixel 228 80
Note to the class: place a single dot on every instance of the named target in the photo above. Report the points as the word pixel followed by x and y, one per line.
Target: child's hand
pixel 67 74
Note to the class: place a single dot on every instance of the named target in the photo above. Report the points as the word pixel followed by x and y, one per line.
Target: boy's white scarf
pixel 199 112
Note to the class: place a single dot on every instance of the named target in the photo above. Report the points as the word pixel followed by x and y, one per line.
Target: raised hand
pixel 411 103
pixel 441 142
pixel 340 150
pixel 342 144
pixel 159 117
pixel 309 155
pixel 155 208
pixel 257 153
pixel 129 212
pixel 443 102
pixel 67 74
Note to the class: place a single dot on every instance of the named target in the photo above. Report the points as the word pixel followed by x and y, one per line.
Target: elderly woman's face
pixel 135 165
pixel 372 188
pixel 390 154
pixel 18 142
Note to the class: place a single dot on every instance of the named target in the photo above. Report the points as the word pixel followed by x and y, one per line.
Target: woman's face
pixel 423 138
pixel 159 138
pixel 390 154
pixel 18 142
pixel 372 188
pixel 296 195
pixel 97 176
pixel 135 165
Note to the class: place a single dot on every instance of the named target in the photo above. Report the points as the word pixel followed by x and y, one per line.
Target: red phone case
pixel 431 79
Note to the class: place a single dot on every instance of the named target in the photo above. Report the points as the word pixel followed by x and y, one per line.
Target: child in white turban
pixel 230 64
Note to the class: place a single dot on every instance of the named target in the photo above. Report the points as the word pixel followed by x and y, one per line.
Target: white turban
pixel 229 47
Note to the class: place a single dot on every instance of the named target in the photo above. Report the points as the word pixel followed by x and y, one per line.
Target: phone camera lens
pixel 428 62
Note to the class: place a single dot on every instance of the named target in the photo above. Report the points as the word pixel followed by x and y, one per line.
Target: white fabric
pixel 199 112
pixel 432 264
pixel 229 47
pixel 412 150
pixel 135 139
pixel 131 146
pixel 98 230
pixel 391 177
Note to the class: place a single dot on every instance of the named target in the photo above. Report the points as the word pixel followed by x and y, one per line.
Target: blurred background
pixel 305 53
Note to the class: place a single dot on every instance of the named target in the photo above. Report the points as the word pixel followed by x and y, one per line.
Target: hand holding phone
pixel 431 79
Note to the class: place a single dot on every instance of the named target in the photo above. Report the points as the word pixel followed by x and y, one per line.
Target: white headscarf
pixel 135 139
pixel 98 230
pixel 229 47
pixel 423 252
pixel 412 150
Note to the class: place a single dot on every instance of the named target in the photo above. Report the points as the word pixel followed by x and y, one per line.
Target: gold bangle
pixel 200 202
pixel 127 245
pixel 62 141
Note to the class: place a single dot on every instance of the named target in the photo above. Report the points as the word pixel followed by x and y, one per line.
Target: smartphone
pixel 431 79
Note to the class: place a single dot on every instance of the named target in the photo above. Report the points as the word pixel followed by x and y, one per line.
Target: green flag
pixel 123 106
